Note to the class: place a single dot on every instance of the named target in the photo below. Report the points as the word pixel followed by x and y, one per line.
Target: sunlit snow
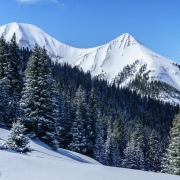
pixel 45 164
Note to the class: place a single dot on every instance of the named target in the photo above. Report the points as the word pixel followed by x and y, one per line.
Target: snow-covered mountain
pixel 106 61
pixel 28 35
pixel 45 164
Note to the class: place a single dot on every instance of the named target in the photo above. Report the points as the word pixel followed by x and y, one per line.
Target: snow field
pixel 45 164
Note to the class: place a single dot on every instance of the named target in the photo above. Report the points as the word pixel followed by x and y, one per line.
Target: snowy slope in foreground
pixel 45 164
pixel 106 60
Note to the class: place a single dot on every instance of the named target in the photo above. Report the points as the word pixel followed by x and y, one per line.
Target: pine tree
pixel 30 94
pixel 38 102
pixel 46 127
pixel 129 160
pixel 3 56
pixel 117 161
pixel 92 113
pixel 119 140
pixel 154 153
pixel 79 142
pixel 15 76
pixel 110 147
pixel 4 84
pixel 134 151
pixel 98 150
pixel 15 68
pixel 4 101
pixel 64 122
pixel 171 160
pixel 17 140
pixel 68 117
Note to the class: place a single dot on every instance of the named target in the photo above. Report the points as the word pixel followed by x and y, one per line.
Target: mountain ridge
pixel 105 61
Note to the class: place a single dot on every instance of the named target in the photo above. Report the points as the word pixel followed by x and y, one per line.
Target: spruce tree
pixel 64 122
pixel 46 128
pixel 154 153
pixel 117 161
pixel 30 94
pixel 134 151
pixel 110 147
pixel 129 160
pixel 99 148
pixel 15 68
pixel 92 115
pixel 15 76
pixel 17 140
pixel 4 102
pixel 3 56
pixel 119 140
pixel 79 142
pixel 38 102
pixel 4 84
pixel 171 160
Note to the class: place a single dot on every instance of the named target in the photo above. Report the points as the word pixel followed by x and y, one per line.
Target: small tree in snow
pixel 17 140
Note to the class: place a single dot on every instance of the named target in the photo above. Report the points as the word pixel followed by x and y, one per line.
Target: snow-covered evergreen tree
pixel 4 84
pixel 17 140
pixel 119 140
pixel 117 161
pixel 154 153
pixel 38 102
pixel 46 126
pixel 61 123
pixel 30 94
pixel 110 146
pixel 79 142
pixel 15 76
pixel 171 160
pixel 3 56
pixel 129 160
pixel 64 121
pixel 99 148
pixel 134 151
pixel 92 115
pixel 4 101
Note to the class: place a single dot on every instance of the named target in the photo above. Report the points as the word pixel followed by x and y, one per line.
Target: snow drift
pixel 45 164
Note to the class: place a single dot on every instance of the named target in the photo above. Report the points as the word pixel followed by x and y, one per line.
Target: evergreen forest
pixel 66 107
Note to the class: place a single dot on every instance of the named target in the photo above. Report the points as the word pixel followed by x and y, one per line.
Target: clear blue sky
pixel 87 23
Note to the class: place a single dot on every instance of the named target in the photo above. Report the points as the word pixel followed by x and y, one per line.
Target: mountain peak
pixel 16 25
pixel 126 40
pixel 110 58
pixel 126 35
pixel 27 35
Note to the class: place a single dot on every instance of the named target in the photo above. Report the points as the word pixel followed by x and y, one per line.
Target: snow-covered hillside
pixel 45 164
pixel 106 60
